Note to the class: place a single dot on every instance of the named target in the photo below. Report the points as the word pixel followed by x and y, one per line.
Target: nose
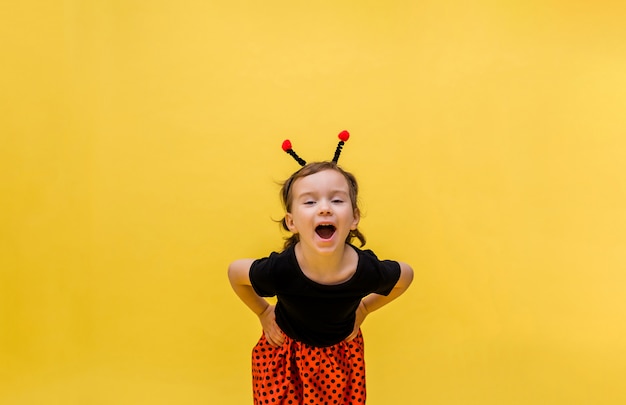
pixel 324 207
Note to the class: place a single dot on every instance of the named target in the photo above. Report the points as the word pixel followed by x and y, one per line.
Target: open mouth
pixel 325 231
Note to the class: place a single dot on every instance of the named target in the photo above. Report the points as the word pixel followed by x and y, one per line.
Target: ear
pixel 290 224
pixel 357 219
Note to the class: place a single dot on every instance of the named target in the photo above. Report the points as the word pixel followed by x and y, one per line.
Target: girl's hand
pixel 273 333
pixel 361 313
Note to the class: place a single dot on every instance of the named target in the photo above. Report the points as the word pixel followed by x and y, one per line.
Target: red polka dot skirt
pixel 296 373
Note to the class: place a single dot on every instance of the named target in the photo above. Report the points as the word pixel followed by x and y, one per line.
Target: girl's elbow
pixel 406 274
pixel 238 271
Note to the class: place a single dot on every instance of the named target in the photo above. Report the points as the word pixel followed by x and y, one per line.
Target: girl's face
pixel 321 210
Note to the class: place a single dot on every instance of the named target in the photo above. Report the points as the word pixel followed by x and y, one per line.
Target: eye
pixel 337 201
pixel 309 202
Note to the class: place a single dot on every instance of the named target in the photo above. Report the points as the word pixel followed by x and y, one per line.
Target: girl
pixel 311 350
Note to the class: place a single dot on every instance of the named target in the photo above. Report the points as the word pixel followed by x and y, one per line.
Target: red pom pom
pixel 344 135
pixel 286 145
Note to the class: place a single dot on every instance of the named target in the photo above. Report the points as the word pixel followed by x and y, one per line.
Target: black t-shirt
pixel 319 314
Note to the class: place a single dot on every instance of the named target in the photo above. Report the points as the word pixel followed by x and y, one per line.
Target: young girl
pixel 311 350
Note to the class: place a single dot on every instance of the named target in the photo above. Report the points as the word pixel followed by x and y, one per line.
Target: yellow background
pixel 139 154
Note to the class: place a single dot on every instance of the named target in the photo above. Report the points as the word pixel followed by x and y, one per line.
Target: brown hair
pixel 307 170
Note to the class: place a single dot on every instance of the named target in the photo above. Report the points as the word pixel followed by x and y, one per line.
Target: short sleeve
pixel 389 273
pixel 382 274
pixel 261 277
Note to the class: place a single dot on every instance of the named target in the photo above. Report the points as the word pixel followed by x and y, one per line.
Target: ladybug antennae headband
pixel 343 137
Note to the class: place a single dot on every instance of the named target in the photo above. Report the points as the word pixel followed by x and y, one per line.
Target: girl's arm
pixel 373 302
pixel 238 274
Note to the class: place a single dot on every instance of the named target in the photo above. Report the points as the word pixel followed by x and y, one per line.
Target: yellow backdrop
pixel 139 155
